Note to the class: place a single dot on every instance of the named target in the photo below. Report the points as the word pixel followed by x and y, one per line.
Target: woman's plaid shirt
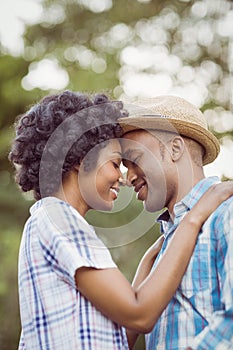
pixel 54 315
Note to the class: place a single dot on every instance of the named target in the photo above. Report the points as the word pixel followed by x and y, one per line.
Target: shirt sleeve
pixel 68 242
pixel 21 342
pixel 218 334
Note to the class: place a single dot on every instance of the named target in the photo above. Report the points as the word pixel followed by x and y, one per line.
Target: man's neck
pixel 185 186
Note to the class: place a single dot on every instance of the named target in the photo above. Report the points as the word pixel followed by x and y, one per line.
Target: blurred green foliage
pixel 65 27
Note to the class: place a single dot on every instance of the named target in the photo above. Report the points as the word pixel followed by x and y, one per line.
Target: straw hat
pixel 174 114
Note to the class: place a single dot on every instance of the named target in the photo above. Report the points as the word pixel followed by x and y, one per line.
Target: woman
pixel 71 294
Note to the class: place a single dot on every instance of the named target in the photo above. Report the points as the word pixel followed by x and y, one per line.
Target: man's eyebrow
pixel 127 154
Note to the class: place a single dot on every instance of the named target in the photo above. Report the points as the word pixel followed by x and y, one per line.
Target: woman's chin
pixel 104 206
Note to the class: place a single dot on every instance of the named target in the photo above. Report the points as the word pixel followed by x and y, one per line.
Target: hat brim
pixel 184 128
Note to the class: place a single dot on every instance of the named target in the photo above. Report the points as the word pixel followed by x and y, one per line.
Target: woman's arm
pixel 138 309
pixel 216 192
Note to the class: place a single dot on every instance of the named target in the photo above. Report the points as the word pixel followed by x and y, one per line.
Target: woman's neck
pixel 69 192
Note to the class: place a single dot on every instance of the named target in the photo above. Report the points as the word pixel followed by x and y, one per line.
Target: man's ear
pixel 177 148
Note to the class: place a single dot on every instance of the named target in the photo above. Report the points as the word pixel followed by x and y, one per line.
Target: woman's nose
pixel 124 182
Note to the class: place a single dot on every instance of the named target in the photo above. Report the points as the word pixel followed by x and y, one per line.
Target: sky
pixel 13 15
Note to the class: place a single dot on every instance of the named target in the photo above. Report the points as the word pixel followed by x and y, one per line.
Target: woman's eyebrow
pixel 118 153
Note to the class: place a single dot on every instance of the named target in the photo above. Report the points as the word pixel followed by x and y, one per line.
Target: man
pixel 165 148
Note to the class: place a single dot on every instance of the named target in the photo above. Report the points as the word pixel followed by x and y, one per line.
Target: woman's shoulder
pixel 58 214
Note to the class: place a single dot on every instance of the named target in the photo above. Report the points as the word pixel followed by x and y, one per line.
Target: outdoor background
pixel 128 49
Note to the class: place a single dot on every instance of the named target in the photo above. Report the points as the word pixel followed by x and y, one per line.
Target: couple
pixel 68 150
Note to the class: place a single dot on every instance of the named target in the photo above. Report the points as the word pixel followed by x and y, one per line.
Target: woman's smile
pixel 114 192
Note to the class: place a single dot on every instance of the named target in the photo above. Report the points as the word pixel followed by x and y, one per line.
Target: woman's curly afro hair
pixel 57 133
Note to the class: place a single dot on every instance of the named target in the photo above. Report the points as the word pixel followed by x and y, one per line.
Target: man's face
pixel 149 169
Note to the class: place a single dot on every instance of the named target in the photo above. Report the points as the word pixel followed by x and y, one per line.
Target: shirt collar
pixel 186 204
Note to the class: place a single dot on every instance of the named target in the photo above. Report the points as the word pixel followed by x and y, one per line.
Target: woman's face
pixel 100 186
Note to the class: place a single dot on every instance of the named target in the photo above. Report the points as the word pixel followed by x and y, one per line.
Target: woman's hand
pixel 209 202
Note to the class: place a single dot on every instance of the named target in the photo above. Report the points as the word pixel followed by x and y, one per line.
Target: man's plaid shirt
pixel 200 314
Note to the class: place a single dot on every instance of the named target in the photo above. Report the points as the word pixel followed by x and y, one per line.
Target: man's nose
pixel 130 178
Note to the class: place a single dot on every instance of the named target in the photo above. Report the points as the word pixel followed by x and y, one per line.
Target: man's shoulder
pixel 225 208
pixel 221 220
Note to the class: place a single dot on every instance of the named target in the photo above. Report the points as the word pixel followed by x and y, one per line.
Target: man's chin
pixel 148 207
pixel 152 207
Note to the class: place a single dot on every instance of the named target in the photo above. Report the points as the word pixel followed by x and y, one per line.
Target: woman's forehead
pixel 111 150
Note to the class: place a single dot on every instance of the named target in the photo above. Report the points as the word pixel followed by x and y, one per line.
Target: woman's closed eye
pixel 116 164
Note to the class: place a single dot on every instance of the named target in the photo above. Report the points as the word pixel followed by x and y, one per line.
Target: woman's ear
pixel 177 148
pixel 76 168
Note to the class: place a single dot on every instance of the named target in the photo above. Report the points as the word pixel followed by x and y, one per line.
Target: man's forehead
pixel 134 134
pixel 136 139
pixel 139 142
pixel 127 153
pixel 131 147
